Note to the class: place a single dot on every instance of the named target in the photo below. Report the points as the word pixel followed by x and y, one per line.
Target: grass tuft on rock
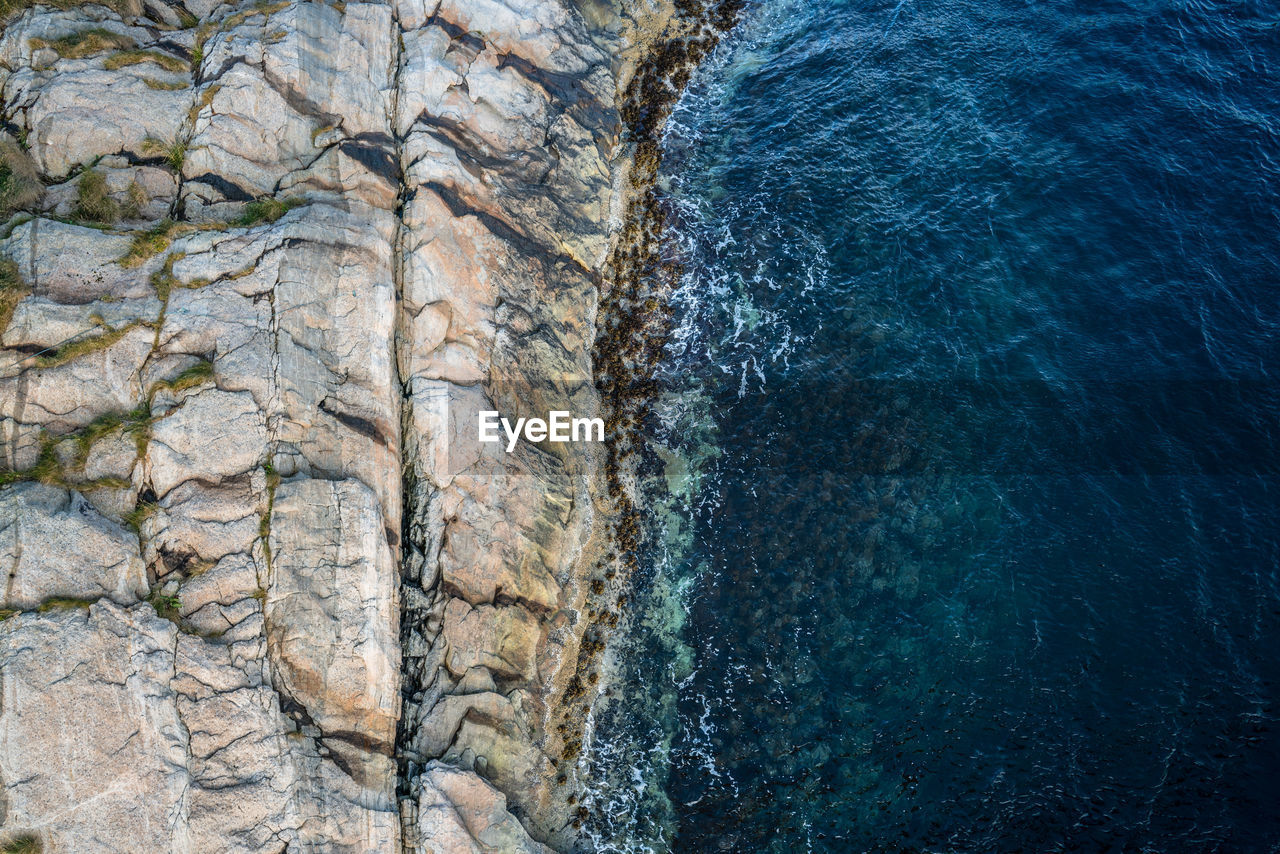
pixel 174 153
pixel 149 243
pixel 12 289
pixel 193 376
pixel 206 98
pixel 25 844
pixel 136 199
pixel 139 514
pixel 167 61
pixel 137 423
pixel 83 346
pixel 48 469
pixel 20 185
pixel 64 603
pixel 262 7
pixel 266 210
pixel 85 43
pixel 164 281
pixel 13 8
pixel 203 31
pixel 93 202
pixel 199 373
pixel 264 522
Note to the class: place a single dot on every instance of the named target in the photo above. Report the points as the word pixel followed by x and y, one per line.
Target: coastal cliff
pixel 262 265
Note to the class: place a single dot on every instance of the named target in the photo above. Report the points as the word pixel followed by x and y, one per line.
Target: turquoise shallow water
pixel 971 423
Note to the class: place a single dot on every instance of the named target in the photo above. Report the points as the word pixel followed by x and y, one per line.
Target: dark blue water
pixel 973 433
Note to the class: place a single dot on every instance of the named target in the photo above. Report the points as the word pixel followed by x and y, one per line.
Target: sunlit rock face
pixel 265 591
pixel 202 547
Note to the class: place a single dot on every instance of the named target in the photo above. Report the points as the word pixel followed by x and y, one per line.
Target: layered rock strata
pixel 263 262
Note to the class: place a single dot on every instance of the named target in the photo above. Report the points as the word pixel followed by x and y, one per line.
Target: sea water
pixel 966 528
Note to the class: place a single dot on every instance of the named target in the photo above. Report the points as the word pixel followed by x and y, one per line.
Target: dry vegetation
pixel 266 210
pixel 136 198
pixel 174 153
pixel 93 202
pixel 84 346
pixel 12 290
pixel 20 185
pixel 85 43
pixel 167 61
pixel 23 845
pixel 13 8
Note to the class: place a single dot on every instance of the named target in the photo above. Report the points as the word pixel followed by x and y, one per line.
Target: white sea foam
pixel 718 328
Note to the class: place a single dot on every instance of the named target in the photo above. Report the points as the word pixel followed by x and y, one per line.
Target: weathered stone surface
pixel 502 640
pixel 77 113
pixel 92 748
pixel 332 598
pixel 74 264
pixel 437 727
pixel 292 84
pixel 54 544
pixel 150 188
pixel 214 602
pixel 238 355
pixel 120 733
pixel 112 456
pixel 63 398
pixel 71 105
pixel 212 435
pixel 39 322
pixel 459 812
pixel 200 523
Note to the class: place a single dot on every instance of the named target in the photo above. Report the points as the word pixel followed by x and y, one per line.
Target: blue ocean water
pixel 971 439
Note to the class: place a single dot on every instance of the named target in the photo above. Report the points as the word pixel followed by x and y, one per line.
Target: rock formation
pixel 263 262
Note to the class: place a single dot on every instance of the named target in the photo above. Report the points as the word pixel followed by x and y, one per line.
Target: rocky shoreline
pixel 264 590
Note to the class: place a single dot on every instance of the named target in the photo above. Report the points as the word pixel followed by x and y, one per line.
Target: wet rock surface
pixel 264 589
